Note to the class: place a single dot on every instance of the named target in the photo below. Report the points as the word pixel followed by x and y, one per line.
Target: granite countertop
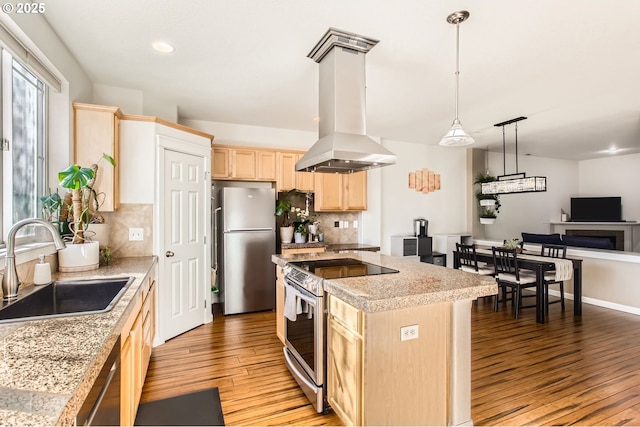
pixel 332 247
pixel 48 366
pixel 415 284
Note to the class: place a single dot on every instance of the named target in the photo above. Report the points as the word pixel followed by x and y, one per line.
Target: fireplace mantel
pixel 631 230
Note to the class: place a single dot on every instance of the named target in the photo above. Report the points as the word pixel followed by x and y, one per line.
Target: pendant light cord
pixel 457 120
pixel 504 153
pixel 516 147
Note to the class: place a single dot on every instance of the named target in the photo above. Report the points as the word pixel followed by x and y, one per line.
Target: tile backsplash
pixel 335 235
pixel 130 215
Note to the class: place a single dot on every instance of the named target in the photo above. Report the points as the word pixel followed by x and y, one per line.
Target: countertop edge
pixel 429 284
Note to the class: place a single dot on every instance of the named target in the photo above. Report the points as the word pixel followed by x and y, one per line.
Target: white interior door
pixel 182 299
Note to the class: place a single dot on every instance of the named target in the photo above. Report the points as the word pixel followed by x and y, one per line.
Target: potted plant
pixel 283 207
pixel 303 218
pixel 489 203
pixel 487 216
pixel 81 253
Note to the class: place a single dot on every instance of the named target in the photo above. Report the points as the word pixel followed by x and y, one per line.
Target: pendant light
pixel 457 136
pixel 517 182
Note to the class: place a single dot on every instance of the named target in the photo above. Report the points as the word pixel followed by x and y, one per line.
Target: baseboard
pixel 600 303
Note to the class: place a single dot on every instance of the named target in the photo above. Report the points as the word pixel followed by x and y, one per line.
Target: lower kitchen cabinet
pixel 136 343
pixel 374 377
pixel 280 304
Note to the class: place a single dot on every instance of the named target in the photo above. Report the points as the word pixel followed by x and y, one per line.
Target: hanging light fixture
pixel 517 182
pixel 457 136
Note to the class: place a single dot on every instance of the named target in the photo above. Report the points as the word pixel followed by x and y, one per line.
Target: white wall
pixel 258 136
pixel 129 101
pixel 613 176
pixel 532 212
pixel 445 209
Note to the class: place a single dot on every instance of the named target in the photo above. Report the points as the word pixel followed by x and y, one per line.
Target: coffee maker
pixel 420 227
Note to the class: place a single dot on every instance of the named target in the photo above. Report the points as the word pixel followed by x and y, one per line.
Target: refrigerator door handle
pixel 214 244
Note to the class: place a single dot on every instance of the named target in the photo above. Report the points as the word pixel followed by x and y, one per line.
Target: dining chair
pixel 553 251
pixel 469 263
pixel 509 275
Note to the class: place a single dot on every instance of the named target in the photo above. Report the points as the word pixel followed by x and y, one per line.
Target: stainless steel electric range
pixel 305 319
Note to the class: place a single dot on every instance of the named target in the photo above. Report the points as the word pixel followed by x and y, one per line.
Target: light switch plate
pixel 136 234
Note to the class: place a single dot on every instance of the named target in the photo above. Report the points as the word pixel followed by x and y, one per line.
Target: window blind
pixel 28 59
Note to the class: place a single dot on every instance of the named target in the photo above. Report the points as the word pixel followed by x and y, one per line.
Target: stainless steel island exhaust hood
pixel 343 146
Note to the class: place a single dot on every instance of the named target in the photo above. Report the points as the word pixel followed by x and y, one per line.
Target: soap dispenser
pixel 42 272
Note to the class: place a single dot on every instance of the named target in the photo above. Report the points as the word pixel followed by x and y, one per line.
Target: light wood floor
pixel 583 371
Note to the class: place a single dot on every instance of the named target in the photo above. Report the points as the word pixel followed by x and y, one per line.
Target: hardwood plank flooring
pixel 569 371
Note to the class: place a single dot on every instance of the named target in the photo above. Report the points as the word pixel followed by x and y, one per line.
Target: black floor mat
pixel 201 408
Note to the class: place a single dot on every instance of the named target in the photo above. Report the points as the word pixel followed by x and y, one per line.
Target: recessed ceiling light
pixel 163 47
pixel 613 150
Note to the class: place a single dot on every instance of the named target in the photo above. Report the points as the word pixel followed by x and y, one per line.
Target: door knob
pixel 169 254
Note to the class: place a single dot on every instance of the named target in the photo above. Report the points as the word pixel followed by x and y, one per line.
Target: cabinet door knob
pixel 169 254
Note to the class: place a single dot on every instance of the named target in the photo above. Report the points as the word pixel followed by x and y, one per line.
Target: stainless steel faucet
pixel 10 279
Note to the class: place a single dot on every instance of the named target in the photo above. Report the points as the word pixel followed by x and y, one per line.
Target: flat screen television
pixel 596 209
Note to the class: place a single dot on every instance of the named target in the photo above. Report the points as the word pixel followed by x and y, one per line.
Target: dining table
pixel 540 265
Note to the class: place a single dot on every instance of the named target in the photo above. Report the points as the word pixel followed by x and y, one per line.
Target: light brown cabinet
pixel 341 192
pixel 266 165
pixel 96 131
pixel 344 361
pixel 288 178
pixel 305 181
pixel 286 171
pixel 363 350
pixel 243 163
pixel 220 163
pixel 136 342
pixel 280 304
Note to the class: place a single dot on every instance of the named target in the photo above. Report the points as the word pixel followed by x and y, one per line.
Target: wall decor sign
pixel 424 181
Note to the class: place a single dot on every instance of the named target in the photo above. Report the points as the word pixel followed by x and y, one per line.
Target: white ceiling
pixel 570 66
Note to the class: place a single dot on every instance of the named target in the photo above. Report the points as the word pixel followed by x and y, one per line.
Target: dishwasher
pixel 102 405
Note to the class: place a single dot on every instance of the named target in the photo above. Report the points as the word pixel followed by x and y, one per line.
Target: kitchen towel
pixel 290 304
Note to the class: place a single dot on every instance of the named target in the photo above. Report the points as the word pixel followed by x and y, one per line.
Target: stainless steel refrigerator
pixel 246 240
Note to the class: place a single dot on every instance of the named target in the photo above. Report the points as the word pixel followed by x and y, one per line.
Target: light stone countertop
pixel 415 284
pixel 48 366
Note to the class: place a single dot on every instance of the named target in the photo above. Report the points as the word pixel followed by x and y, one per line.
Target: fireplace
pixel 616 237
pixel 624 235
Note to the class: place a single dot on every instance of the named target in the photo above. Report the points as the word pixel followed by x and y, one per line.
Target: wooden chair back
pixel 468 257
pixel 554 251
pixel 506 261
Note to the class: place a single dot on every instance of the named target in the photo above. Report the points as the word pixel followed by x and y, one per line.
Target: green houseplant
pixel 489 204
pixel 283 207
pixel 81 253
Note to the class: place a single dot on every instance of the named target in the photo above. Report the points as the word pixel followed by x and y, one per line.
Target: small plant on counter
pixel 84 199
pixel 303 218
pixel 283 207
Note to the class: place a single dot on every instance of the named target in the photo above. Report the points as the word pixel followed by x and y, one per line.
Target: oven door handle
pixel 300 377
pixel 309 300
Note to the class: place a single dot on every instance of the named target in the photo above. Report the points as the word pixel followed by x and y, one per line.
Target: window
pixel 23 122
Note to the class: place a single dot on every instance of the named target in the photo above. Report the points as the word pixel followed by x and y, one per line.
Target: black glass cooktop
pixel 342 267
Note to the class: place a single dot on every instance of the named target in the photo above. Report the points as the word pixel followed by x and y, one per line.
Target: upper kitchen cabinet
pixel 288 178
pixel 304 180
pixel 96 131
pixel 341 192
pixel 220 162
pixel 243 163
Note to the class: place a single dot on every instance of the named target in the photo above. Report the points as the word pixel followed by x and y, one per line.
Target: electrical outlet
pixel 136 234
pixel 355 224
pixel 409 333
pixel 336 224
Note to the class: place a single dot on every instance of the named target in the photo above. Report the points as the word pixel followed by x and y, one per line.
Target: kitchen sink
pixel 66 298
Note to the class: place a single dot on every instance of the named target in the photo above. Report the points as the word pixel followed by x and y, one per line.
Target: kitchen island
pixel 48 366
pixel 399 345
